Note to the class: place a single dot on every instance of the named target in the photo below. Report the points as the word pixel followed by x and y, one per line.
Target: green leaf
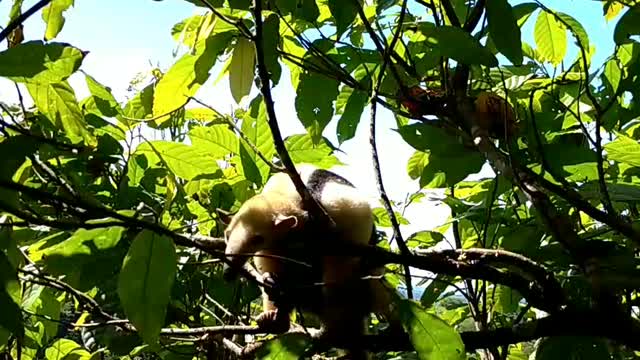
pixel 432 292
pixel 10 297
pixel 508 300
pixel 625 150
pixel 457 44
pixel 218 140
pixel 141 105
pixel 256 129
pixel 303 151
pixel 425 239
pixel 353 103
pixel 550 37
pixel 612 74
pixel 314 102
pixel 186 76
pixel 145 282
pixel 271 31
pixel 284 347
pixel 432 338
pixel 577 29
pixel 504 30
pixel 34 61
pixel 447 161
pixel 183 160
pixel 242 69
pixel 105 102
pixel 65 349
pixel 627 26
pixel 52 16
pixel 58 103
pixel 85 242
pixel 344 13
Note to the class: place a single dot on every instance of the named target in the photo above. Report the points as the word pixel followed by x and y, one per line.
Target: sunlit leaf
pixel 58 103
pixel 52 16
pixel 219 140
pixel 186 76
pixel 65 349
pixel 145 282
pixel 35 61
pixel 550 37
pixel 625 150
pixel 302 150
pixel 183 160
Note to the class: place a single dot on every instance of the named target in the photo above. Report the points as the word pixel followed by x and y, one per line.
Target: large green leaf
pixel 627 26
pixel 58 103
pixel 432 338
pixel 504 30
pixel 302 150
pixel 183 160
pixel 256 129
pixel 219 140
pixel 285 347
pixel 10 297
pixel 65 349
pixel 457 44
pixel 242 69
pixel 352 103
pixel 270 46
pixel 84 242
pixel 35 61
pixel 52 16
pixel 314 102
pixel 186 76
pixel 344 13
pixel 551 38
pixel 577 29
pixel 104 100
pixel 145 281
pixel 443 159
pixel 625 150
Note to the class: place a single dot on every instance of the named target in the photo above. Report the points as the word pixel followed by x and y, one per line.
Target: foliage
pixel 109 241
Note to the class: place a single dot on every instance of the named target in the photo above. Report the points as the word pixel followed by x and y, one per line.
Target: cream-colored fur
pixel 265 220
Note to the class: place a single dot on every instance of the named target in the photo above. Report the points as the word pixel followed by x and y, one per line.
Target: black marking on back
pixel 319 178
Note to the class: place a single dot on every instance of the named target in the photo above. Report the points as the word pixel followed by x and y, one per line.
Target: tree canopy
pixel 111 243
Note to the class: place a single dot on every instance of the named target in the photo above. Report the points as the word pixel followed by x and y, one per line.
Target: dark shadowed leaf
pixel 627 26
pixel 455 43
pixel 314 102
pixel 10 297
pixel 504 30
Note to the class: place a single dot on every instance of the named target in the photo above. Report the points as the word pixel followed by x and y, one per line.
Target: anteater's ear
pixel 284 223
pixel 224 216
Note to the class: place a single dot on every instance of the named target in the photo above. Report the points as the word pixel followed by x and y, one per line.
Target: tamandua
pixel 275 228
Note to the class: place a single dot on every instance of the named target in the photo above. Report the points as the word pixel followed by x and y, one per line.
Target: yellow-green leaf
pixel 432 338
pixel 186 76
pixel 219 140
pixel 58 103
pixel 625 150
pixel 35 61
pixel 52 16
pixel 145 281
pixel 551 38
pixel 241 70
pixel 183 160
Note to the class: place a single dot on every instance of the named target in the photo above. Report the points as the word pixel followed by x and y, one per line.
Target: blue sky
pixel 125 37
